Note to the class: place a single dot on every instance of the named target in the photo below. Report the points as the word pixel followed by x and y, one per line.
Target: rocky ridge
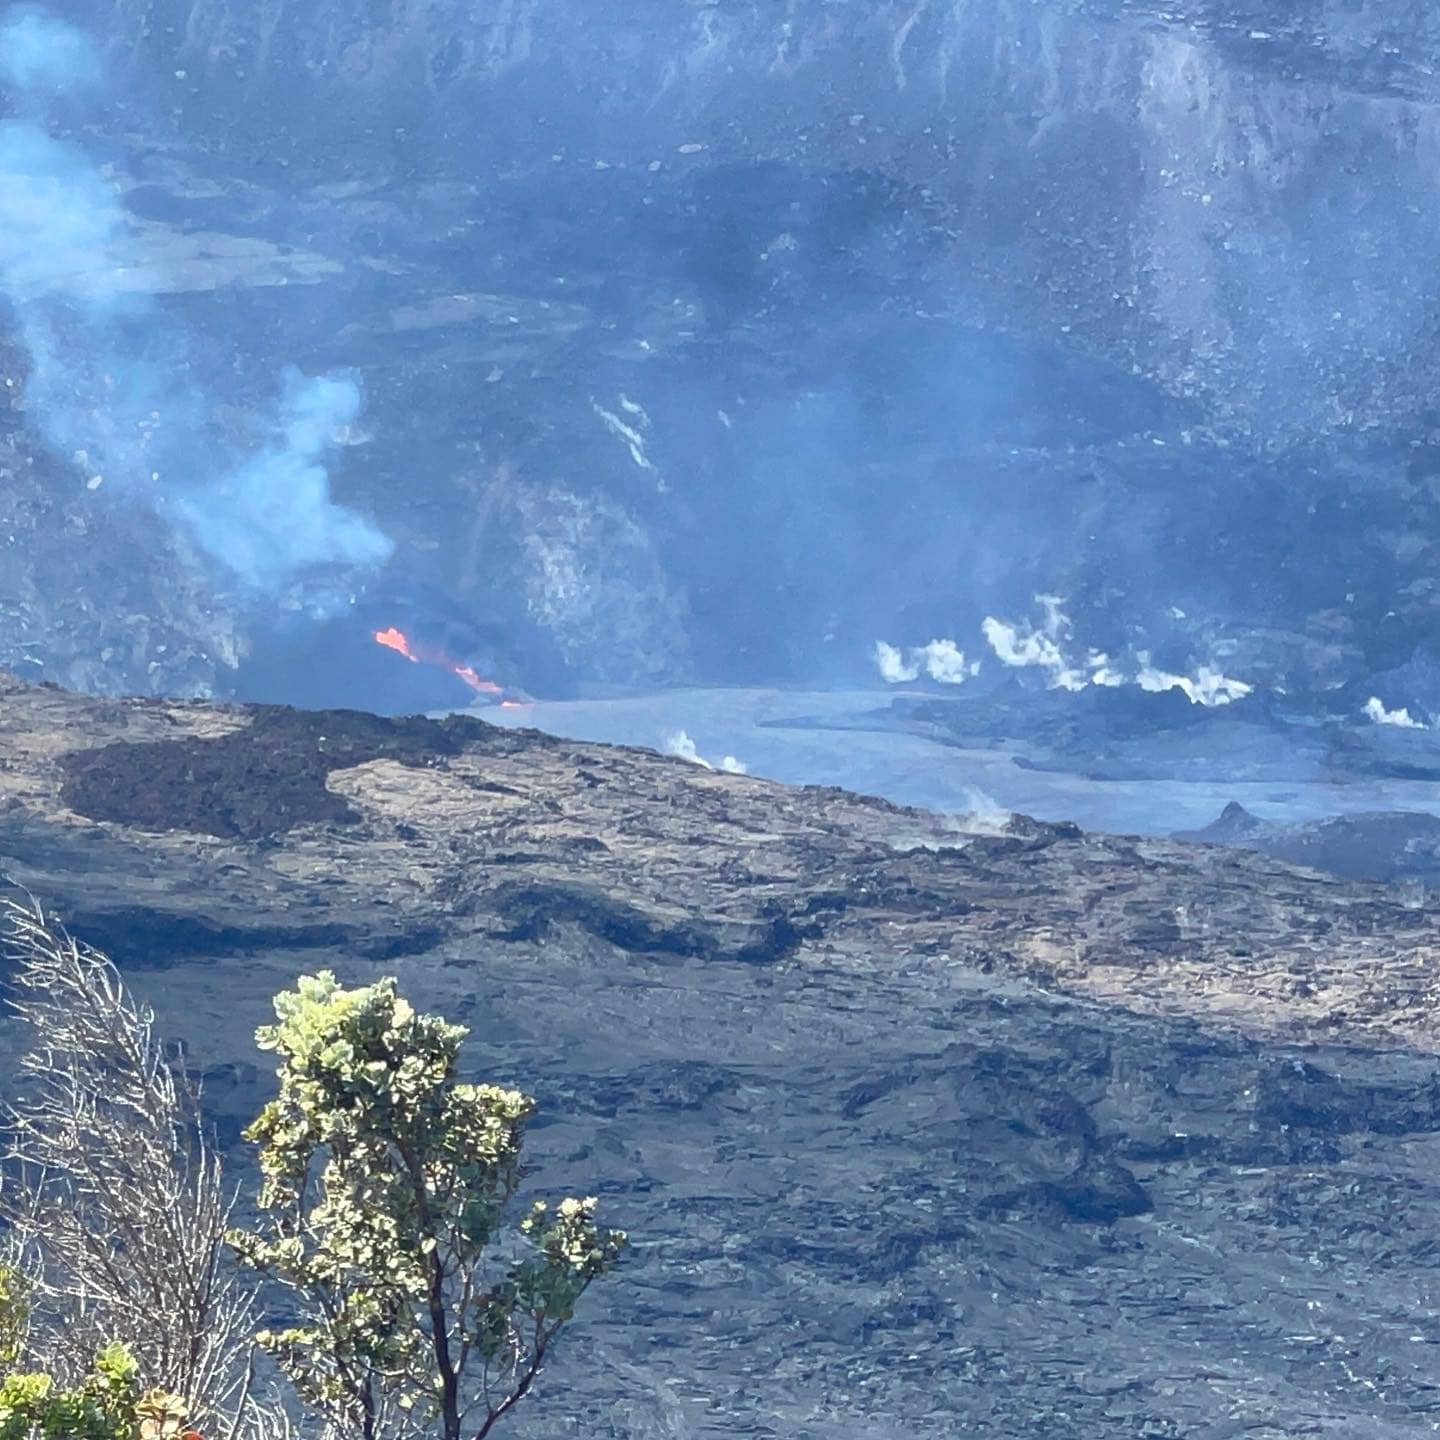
pixel 921 1132
pixel 1396 846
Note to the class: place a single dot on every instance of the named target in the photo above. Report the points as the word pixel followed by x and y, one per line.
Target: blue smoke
pixel 273 517
pixel 39 53
pixel 111 384
pixel 61 220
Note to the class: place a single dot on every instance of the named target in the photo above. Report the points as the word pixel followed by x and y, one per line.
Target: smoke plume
pixel 273 518
pixel 112 386
pixel 38 53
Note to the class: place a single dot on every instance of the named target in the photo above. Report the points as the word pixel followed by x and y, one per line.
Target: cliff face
pixel 1127 303
pixel 1236 204
pixel 918 1131
pixel 923 309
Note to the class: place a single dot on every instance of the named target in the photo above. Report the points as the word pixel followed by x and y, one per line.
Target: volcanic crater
pixel 920 1132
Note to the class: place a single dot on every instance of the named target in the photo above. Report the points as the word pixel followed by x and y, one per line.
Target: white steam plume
pixel 1022 646
pixel 1025 647
pixel 1375 710
pixel 985 815
pixel 893 667
pixel 680 745
pixel 1041 646
pixel 945 663
pixel 942 660
pixel 1208 687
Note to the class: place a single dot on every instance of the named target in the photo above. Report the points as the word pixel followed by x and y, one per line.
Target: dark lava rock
pixel 260 780
pixel 1103 1191
pixel 1374 845
pixel 1036 1134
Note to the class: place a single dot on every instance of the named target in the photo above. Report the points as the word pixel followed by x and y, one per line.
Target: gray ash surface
pixel 919 1133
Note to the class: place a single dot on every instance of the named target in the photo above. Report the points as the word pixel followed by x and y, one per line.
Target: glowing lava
pixel 394 639
pixel 401 644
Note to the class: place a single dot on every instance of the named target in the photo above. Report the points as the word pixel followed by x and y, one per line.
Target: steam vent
pixel 789 657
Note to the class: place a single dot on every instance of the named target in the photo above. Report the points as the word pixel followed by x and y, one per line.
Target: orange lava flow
pixel 475 682
pixel 399 642
pixel 395 640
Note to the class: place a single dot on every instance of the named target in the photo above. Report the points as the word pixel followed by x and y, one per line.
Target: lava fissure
pixel 395 639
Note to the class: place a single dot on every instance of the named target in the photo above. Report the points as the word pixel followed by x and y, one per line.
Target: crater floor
pixel 920 1132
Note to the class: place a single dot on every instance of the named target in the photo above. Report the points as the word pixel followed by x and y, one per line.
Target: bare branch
pixel 114 1184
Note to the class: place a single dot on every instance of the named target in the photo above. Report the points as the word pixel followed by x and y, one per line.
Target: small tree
pixel 386 1184
pixel 113 1204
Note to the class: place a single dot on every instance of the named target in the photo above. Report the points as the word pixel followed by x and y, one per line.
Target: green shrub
pixel 107 1405
pixel 384 1206
pixel 386 1185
